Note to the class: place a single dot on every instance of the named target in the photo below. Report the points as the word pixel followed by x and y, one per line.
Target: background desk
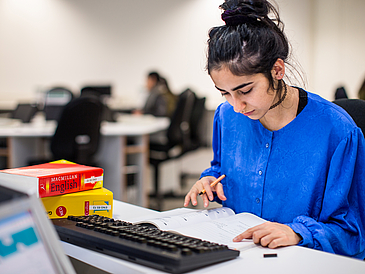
pixel 27 141
pixel 294 259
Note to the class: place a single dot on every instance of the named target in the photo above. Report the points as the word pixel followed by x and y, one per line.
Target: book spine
pixel 60 184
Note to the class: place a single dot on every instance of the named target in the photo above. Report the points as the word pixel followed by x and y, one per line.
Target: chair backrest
pixel 196 128
pixel 54 102
pixel 24 112
pixel 100 92
pixel 356 109
pixel 179 131
pixel 340 93
pixel 78 132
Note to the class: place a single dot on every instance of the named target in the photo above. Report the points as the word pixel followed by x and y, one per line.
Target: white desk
pixel 294 259
pixel 27 141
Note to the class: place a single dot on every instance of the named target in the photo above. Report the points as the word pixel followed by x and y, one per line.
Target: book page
pixel 159 214
pixel 190 218
pixel 223 231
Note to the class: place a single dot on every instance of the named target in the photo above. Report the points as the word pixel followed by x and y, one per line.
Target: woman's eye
pixel 224 94
pixel 246 92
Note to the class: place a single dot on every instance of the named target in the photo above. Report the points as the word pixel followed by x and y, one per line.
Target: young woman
pixel 160 101
pixel 289 156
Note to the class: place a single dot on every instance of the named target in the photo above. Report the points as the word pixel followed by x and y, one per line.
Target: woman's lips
pixel 248 113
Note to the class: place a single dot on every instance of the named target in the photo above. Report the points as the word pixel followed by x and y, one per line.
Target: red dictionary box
pixel 55 178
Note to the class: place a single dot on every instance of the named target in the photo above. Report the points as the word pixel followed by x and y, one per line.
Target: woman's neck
pixel 284 113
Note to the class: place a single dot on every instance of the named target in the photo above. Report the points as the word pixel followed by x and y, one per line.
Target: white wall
pixel 75 42
pixel 339 43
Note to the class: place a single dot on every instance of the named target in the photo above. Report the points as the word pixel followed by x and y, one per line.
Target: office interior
pixel 74 43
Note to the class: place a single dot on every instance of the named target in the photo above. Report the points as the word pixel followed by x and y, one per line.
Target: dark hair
pixel 250 42
pixel 155 76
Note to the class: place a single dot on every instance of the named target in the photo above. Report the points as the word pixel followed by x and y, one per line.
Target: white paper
pixel 173 222
pixel 219 225
pixel 224 230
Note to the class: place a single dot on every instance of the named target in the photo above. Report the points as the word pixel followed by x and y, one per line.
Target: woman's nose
pixel 238 105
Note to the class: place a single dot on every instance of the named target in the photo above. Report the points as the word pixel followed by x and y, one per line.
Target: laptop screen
pixel 28 241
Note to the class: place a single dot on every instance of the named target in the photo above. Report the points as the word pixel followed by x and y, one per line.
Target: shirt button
pixel 260 172
pixel 267 145
pixel 257 200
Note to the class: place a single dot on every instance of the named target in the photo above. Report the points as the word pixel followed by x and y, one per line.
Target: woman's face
pixel 150 83
pixel 249 95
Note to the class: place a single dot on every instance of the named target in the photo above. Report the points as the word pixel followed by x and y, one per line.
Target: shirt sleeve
pixel 340 226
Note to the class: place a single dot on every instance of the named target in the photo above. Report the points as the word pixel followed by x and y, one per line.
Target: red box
pixel 55 178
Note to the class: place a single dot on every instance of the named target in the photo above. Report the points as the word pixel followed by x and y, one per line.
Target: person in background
pixel 289 156
pixel 361 93
pixel 160 100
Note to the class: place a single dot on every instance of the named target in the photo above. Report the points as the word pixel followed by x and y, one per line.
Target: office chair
pixel 356 109
pixel 24 112
pixel 182 136
pixel 100 92
pixel 197 135
pixel 196 132
pixel 55 100
pixel 77 135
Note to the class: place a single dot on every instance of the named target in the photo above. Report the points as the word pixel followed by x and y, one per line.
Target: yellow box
pixel 97 201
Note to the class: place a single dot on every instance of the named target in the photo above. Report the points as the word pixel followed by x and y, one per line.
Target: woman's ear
pixel 278 69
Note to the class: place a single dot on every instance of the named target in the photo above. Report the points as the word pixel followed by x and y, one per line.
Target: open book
pixel 219 225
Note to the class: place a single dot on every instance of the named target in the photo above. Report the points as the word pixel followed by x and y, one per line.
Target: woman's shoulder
pixel 321 106
pixel 326 112
pixel 225 107
pixel 225 110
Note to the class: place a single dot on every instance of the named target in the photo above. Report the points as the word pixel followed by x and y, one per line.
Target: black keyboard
pixel 142 244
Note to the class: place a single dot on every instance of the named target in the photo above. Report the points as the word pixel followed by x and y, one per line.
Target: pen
pixel 213 183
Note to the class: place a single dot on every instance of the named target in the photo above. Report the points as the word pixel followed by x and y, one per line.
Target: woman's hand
pixel 204 183
pixel 271 235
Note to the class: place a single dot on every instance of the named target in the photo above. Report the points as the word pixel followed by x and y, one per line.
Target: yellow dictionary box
pixel 97 201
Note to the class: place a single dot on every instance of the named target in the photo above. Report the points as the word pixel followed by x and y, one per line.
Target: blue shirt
pixel 309 174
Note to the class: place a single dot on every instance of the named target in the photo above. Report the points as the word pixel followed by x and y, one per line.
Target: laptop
pixel 28 240
pixel 24 112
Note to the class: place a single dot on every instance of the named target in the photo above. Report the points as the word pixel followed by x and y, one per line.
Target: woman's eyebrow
pixel 242 86
pixel 219 88
pixel 238 87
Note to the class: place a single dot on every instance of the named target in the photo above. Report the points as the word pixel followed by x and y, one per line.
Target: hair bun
pixel 241 12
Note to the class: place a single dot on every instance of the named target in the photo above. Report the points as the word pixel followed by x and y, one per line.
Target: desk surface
pixel 292 259
pixel 31 140
pixel 127 125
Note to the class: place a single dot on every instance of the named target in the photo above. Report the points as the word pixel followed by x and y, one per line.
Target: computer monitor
pixel 99 91
pixel 55 100
pixel 28 241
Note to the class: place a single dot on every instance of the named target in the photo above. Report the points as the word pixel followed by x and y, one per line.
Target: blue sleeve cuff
pixel 302 230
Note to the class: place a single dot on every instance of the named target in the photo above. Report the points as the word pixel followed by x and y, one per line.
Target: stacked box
pixel 97 201
pixel 54 178
pixel 65 188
